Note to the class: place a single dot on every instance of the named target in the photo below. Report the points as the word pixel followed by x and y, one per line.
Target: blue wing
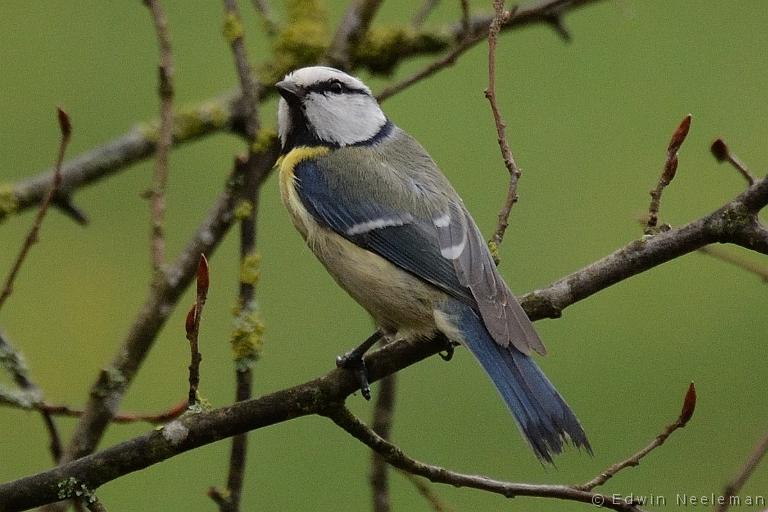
pixel 400 237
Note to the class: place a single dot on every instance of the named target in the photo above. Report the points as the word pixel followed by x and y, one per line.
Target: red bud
pixel 680 134
pixel 189 324
pixel 689 406
pixel 202 277
pixel 64 124
pixel 719 150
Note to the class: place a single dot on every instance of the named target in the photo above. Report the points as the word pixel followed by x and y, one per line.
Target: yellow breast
pixel 287 164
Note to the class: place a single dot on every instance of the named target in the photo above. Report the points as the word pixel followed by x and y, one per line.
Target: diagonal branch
pixel 733 488
pixel 397 458
pixel 726 224
pixel 686 413
pixel 66 132
pixel 165 134
pixel 353 26
pixel 227 113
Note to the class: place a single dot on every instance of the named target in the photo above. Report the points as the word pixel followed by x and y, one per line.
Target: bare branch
pixel 66 132
pixel 735 223
pixel 227 112
pixel 382 424
pixel 165 134
pixel 396 457
pixel 500 17
pixel 193 330
pixel 13 362
pixel 351 30
pixel 423 13
pixel 263 8
pixel 722 153
pixel 737 260
pixel 733 488
pixel 426 491
pixel 667 173
pixel 430 69
pixel 124 417
pixel 112 383
pixel 686 412
pixel 233 31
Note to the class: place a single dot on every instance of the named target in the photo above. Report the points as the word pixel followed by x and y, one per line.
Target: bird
pixel 379 214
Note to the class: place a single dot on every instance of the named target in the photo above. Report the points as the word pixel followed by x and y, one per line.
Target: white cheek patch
pixel 344 119
pixel 371 225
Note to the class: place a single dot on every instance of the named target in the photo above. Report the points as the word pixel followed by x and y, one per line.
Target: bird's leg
pixel 450 347
pixel 353 360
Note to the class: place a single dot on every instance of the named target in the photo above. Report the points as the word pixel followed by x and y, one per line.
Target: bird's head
pixel 322 105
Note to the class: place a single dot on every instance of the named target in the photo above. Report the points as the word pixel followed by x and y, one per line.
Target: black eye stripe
pixel 334 87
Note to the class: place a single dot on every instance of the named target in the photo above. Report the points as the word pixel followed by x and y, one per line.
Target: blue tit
pixel 377 212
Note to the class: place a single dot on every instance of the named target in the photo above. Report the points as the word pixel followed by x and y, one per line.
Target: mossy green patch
pixel 9 203
pixel 247 336
pixel 249 269
pixel 383 48
pixel 233 27
pixel 243 209
pixel 302 41
pixel 265 139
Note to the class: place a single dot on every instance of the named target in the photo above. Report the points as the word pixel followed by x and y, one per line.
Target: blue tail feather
pixel 546 421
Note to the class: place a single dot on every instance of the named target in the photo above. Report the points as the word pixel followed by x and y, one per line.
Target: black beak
pixel 290 90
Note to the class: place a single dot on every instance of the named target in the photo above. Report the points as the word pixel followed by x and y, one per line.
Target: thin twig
pixel 686 412
pixel 165 136
pixel 722 153
pixel 226 112
pixel 111 384
pixel 193 330
pixel 466 17
pixel 351 30
pixel 431 68
pixel 229 501
pixel 724 254
pixel 382 425
pixel 667 173
pixel 733 488
pixel 122 418
pixel 426 492
pixel 12 360
pixel 397 458
pixel 501 16
pixel 250 88
pixel 65 128
pixel 263 8
pixel 423 13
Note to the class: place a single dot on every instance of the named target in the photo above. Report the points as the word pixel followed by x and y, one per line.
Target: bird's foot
pixel 353 361
pixel 450 348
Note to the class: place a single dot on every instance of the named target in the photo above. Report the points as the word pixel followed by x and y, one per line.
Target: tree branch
pixel 396 457
pixel 351 30
pixel 733 488
pixel 686 413
pixel 226 112
pixel 66 132
pixel 108 390
pixel 165 134
pixel 382 424
pixel 726 224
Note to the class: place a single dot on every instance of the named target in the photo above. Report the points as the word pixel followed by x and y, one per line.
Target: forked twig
pixel 686 412
pixel 192 327
pixel 667 173
pixel 501 16
pixel 733 488
pixel 65 127
pixel 165 134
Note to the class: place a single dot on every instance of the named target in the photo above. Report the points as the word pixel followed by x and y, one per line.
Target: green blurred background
pixel 588 122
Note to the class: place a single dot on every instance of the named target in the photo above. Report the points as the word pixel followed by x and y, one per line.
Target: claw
pixel 354 362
